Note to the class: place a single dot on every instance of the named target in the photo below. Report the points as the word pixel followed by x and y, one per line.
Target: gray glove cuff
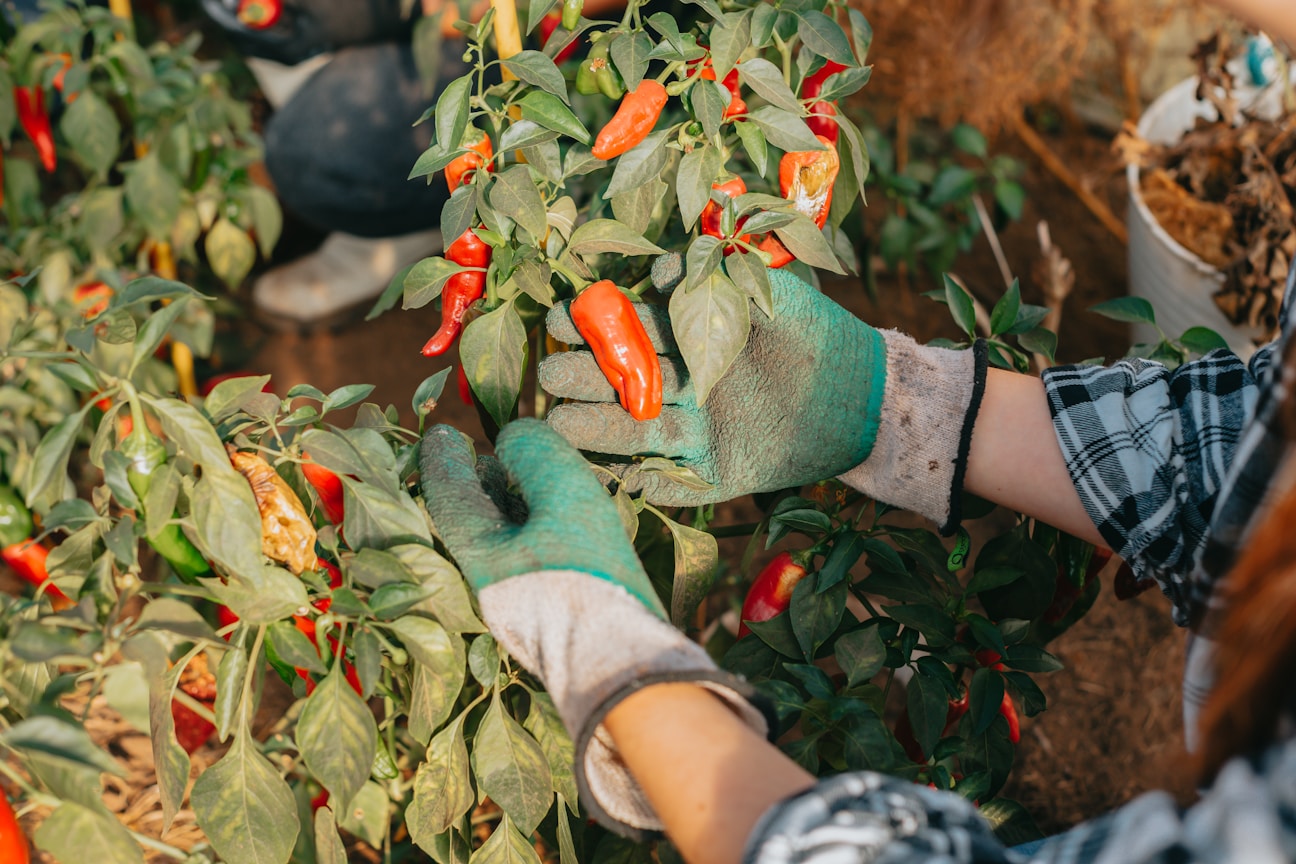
pixel 929 405
pixel 593 645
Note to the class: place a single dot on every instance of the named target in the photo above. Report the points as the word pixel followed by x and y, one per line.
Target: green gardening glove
pixel 561 589
pixel 816 393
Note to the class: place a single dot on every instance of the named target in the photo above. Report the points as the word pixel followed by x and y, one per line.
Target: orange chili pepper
pixel 607 320
pixel 806 179
pixel 480 152
pixel 633 120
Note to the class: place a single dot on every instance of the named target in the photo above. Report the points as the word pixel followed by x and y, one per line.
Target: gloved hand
pixel 562 590
pixel 816 393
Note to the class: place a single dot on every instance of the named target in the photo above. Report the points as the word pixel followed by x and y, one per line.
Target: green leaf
pixel 267 218
pixel 953 183
pixel 807 243
pixel 185 425
pixel 635 208
pixel 536 69
pixel 815 615
pixel 629 54
pixel 328 845
pixel 993 577
pixel 230 677
pixel 750 276
pixel 443 790
pixel 232 395
pixel 543 722
pixel 848 82
pixel 230 252
pixel 150 336
pixel 452 114
pixel 550 112
pixel 704 256
pixel 606 235
pixel 245 808
pixel 71 831
pixel 867 743
pixel 368 815
pixel 525 133
pixel 377 518
pixel 511 767
pixel 928 706
pixel 697 171
pixel 153 195
pixel 60 739
pixel 860 654
pixel 459 211
pixel 1040 340
pixel 1010 197
pixel 711 325
pixel 729 38
pixel 1031 658
pixel 969 139
pixel 228 524
pixel 505 846
pixel 435 689
pixel 493 350
pixel 1131 310
pixel 295 648
pixel 50 460
pixel 783 129
pixel 449 600
pixel 697 556
pixel 824 36
pixel 960 306
pixel 515 193
pixel 1202 340
pixel 766 79
pixel 639 164
pixel 1005 311
pixel 268 595
pixel 753 142
pixel 484 659
pixel 91 127
pixel 337 737
pixel 986 693
pixel 861 34
pixel 709 100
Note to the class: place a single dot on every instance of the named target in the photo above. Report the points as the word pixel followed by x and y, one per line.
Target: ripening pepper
pixel 25 557
pixel 711 220
pixel 30 102
pixel 13 845
pixel 480 152
pixel 146 454
pixel 771 592
pixel 814 83
pixel 461 290
pixel 260 14
pixel 821 123
pixel 327 486
pixel 549 24
pixel 92 298
pixel 635 117
pixel 607 321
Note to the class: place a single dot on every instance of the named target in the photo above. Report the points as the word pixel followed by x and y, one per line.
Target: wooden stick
pixel 1059 169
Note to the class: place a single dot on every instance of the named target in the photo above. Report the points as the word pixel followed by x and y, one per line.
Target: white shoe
pixel 344 272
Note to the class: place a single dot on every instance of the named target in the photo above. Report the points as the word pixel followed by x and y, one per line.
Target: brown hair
pixel 1256 660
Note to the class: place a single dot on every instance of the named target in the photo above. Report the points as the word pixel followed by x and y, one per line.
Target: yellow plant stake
pixel 508 36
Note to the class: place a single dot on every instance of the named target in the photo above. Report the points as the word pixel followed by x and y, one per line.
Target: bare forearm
pixel 1015 459
pixel 707 774
pixel 1275 17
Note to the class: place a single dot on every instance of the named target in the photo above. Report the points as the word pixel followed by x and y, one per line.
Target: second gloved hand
pixel 816 393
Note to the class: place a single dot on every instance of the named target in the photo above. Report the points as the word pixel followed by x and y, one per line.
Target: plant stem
pixel 743 530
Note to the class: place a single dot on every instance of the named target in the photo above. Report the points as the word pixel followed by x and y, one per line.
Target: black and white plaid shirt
pixel 1171 466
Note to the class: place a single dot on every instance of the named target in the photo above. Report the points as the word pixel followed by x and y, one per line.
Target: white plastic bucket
pixel 1179 285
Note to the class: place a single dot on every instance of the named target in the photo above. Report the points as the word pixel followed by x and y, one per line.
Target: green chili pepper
pixel 586 80
pixel 608 79
pixel 147 454
pixel 571 13
pixel 15 519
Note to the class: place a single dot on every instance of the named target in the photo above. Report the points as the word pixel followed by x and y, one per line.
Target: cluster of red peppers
pixel 19 548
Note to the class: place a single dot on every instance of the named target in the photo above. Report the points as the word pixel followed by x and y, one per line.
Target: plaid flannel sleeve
pixel 1148 449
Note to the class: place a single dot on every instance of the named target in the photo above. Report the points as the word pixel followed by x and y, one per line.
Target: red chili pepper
pixel 61 75
pixel 36 123
pixel 460 291
pixel 820 121
pixel 260 14
pixel 710 221
pixel 635 117
pixel 1009 711
pixel 13 845
pixel 93 297
pixel 465 389
pixel 480 152
pixel 812 85
pixel 548 24
pixel 771 591
pixel 606 319
pixel 328 486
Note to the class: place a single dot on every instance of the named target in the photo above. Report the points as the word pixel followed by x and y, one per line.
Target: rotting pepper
pixel 635 117
pixel 771 591
pixel 287 533
pixel 480 152
pixel 260 14
pixel 327 486
pixel 30 102
pixel 607 321
pixel 20 550
pixel 548 26
pixel 806 179
pixel 712 218
pixel 461 290
pixel 146 453
pixel 13 845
